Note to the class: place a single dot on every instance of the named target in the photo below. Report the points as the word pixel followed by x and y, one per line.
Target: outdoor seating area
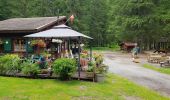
pixel 53 53
pixel 159 58
pixel 44 67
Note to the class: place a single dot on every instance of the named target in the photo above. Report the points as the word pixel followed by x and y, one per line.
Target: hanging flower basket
pixel 41 43
pixel 33 42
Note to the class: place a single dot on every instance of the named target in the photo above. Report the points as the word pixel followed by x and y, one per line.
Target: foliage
pixel 107 21
pixel 30 68
pixel 46 54
pixel 98 22
pixel 91 66
pixel 98 58
pixel 84 55
pixel 64 67
pixel 39 43
pixel 33 42
pixel 9 64
pixel 139 21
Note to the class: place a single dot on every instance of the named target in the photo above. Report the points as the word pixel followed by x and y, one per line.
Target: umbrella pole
pixel 91 60
pixel 78 58
pixel 90 50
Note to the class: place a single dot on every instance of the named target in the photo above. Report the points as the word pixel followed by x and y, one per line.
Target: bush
pixel 10 64
pixel 29 68
pixel 64 67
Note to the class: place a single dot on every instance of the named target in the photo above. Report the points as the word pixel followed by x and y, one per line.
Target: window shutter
pixel 7 45
pixel 28 46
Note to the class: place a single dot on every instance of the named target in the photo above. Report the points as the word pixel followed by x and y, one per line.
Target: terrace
pixel 42 42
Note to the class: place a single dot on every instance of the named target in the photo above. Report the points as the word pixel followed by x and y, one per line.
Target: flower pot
pixel 43 45
pixel 100 77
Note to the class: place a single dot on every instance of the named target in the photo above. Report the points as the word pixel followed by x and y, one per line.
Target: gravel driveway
pixel 122 64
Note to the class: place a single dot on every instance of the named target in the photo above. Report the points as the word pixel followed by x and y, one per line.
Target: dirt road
pixel 122 64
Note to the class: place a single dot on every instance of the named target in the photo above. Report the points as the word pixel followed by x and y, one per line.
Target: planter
pixel 100 77
pixel 89 74
pixel 43 45
pixel 39 43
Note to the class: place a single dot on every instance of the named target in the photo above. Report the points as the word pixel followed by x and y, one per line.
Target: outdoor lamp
pixel 6 42
pixel 29 42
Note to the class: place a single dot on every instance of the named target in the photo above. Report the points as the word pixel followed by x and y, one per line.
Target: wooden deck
pixel 89 76
pixel 84 76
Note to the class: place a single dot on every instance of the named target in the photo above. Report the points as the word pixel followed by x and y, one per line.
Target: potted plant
pixel 90 70
pixel 100 73
pixel 41 43
pixel 99 59
pixel 33 42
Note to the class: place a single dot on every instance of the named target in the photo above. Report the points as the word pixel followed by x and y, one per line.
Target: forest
pixel 109 22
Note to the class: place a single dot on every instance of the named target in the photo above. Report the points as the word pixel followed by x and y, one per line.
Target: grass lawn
pixel 114 88
pixel 161 70
pixel 104 49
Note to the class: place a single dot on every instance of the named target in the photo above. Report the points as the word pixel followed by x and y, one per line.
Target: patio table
pixel 155 58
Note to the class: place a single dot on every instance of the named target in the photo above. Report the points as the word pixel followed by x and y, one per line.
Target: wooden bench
pixel 165 63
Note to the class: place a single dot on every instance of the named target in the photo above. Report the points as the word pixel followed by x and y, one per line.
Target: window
pixel 19 45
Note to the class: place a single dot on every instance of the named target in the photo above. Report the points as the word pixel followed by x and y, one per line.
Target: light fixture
pixel 6 42
pixel 29 42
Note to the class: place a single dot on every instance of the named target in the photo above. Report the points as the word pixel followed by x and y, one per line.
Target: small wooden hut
pixel 128 46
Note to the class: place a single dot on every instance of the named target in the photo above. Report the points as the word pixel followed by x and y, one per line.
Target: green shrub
pixel 10 64
pixel 64 68
pixel 29 68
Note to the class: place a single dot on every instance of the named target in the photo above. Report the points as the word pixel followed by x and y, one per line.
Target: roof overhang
pixel 29 25
pixel 61 31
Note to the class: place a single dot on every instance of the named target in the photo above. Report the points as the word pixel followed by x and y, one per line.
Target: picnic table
pixel 166 62
pixel 154 58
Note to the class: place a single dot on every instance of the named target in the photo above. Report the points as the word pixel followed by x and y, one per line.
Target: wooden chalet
pixel 13 30
pixel 17 36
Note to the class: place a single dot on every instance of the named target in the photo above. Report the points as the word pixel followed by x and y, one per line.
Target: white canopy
pixel 61 31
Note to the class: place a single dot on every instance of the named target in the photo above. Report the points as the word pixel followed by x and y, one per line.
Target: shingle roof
pixel 27 24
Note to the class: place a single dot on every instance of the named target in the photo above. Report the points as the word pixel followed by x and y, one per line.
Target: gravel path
pixel 122 64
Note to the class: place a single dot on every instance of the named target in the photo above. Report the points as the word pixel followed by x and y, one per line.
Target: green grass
pixel 104 49
pixel 161 70
pixel 114 88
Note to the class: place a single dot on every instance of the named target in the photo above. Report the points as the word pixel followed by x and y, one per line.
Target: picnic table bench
pixel 156 58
